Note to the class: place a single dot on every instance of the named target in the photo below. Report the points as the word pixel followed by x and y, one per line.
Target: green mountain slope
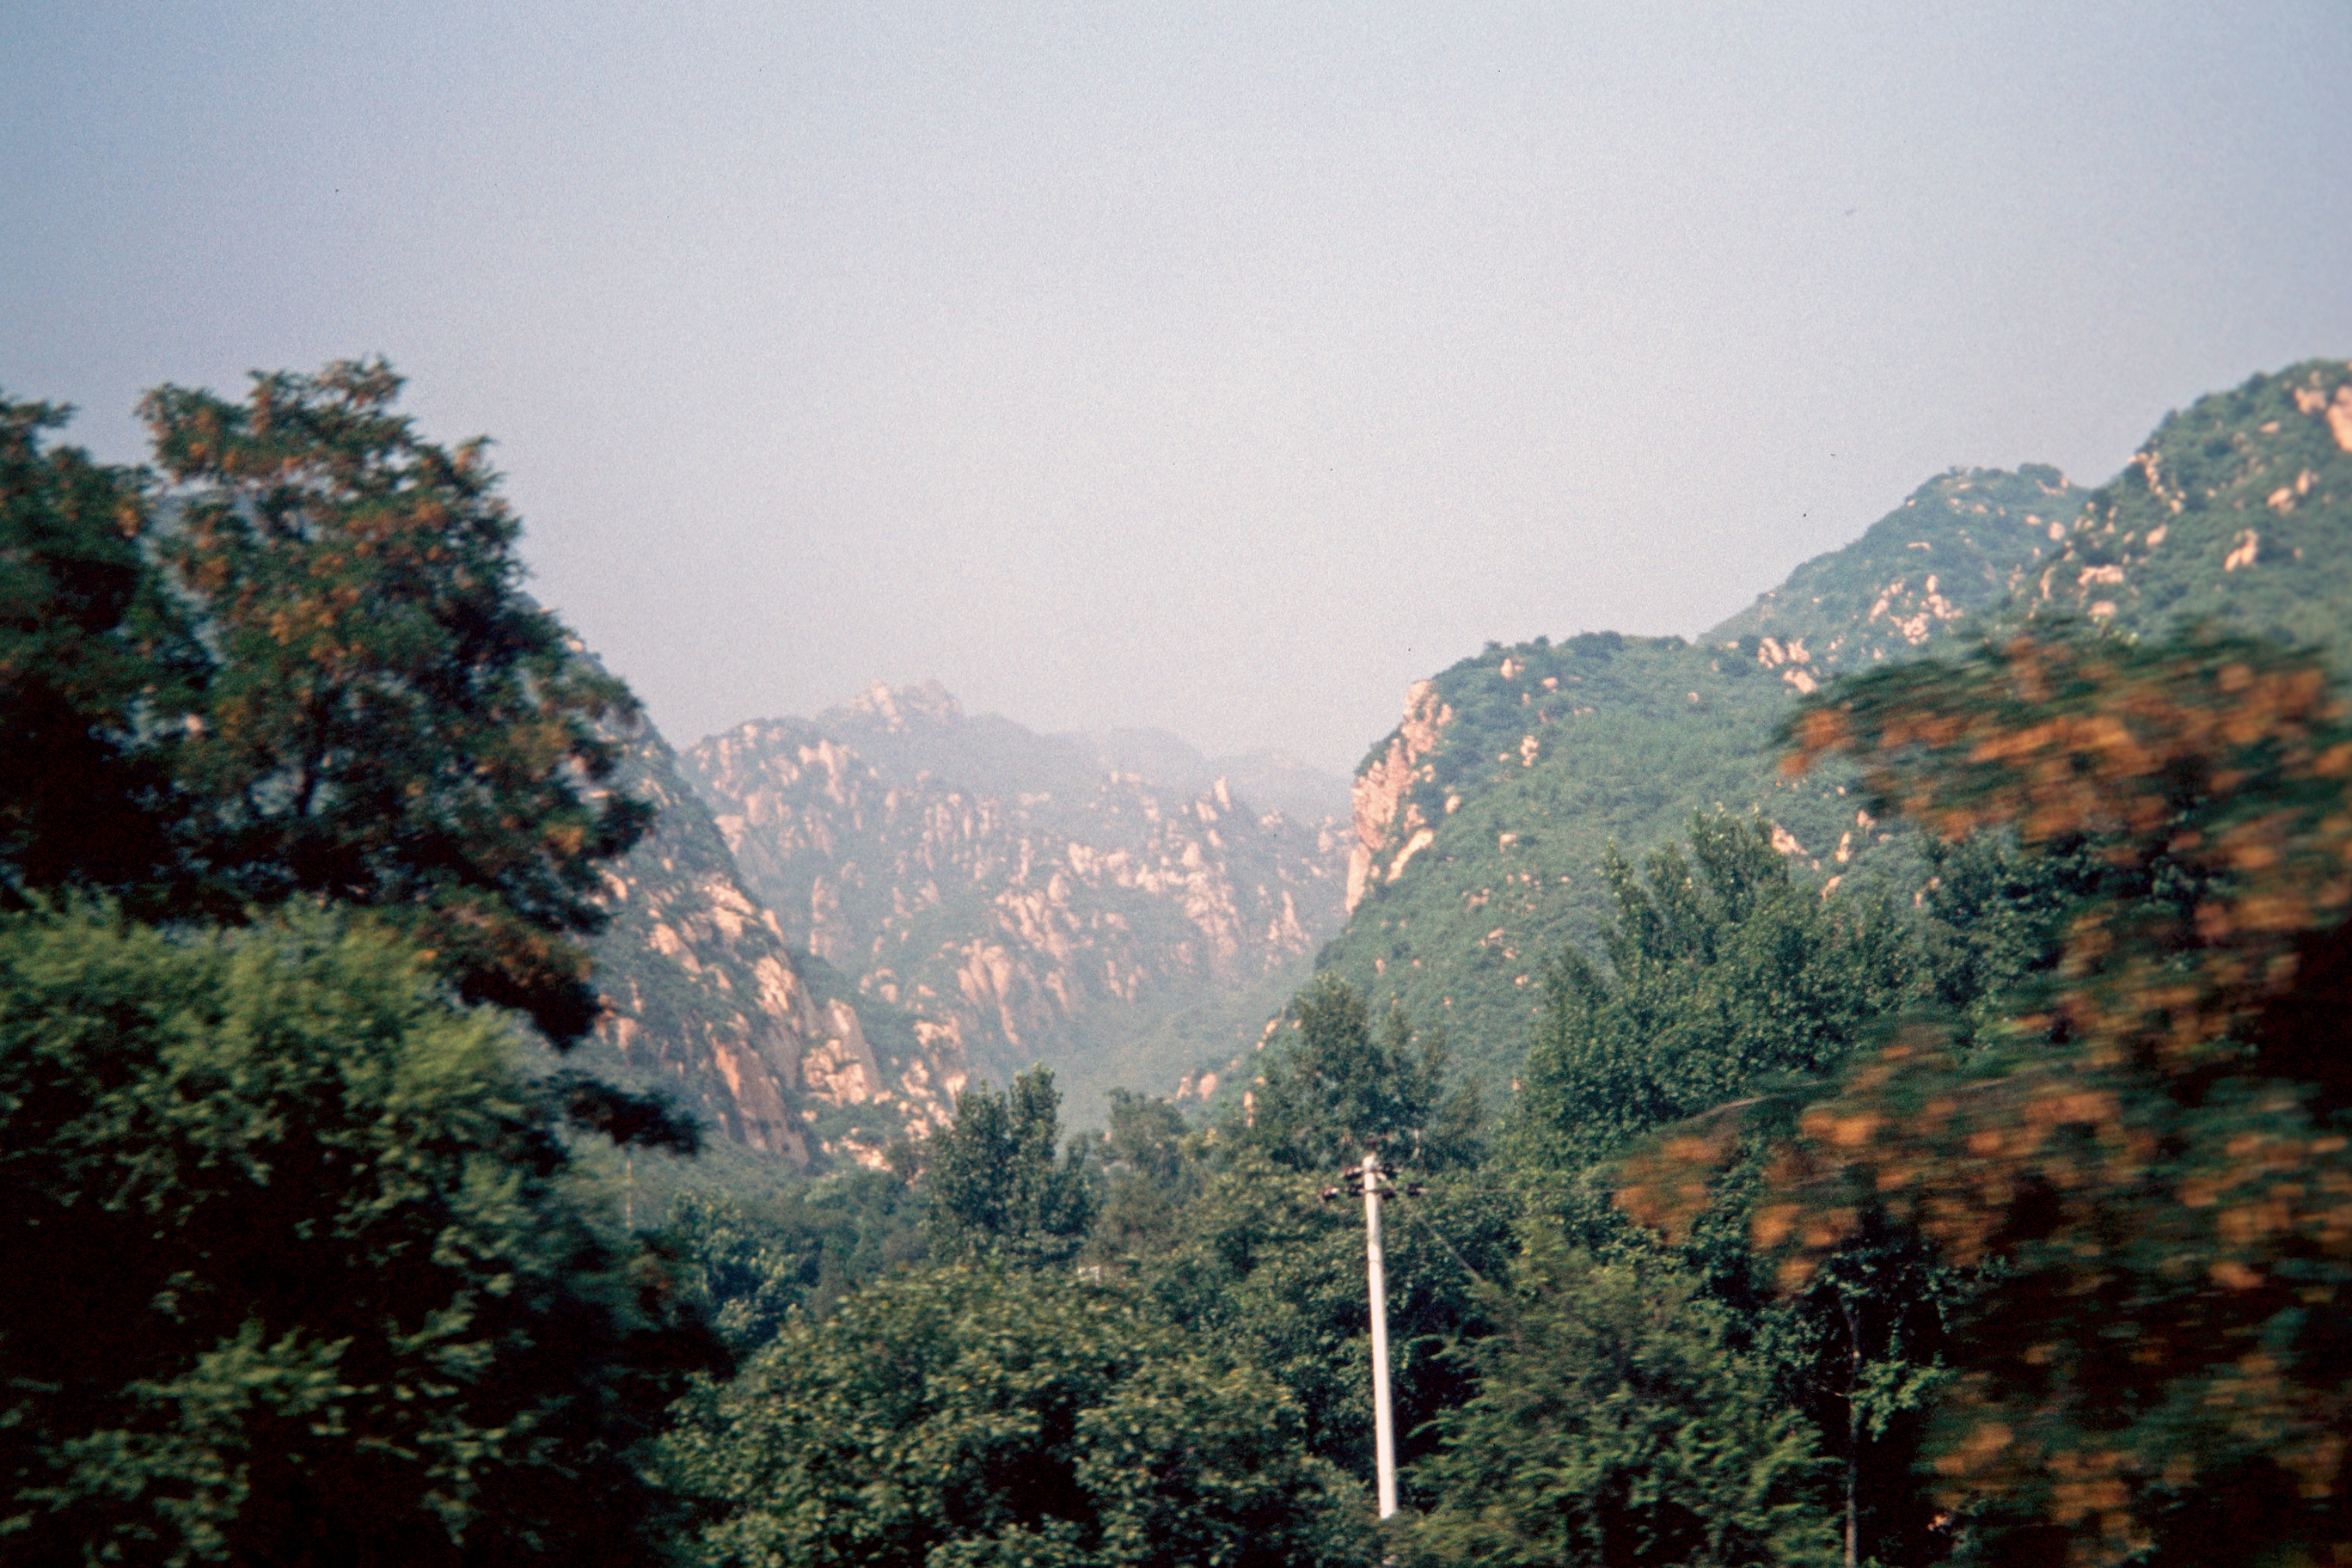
pixel 1963 543
pixel 2238 511
pixel 1482 821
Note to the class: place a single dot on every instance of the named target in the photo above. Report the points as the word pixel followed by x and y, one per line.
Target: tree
pixel 1148 1174
pixel 300 1273
pixel 978 1416
pixel 1725 974
pixel 751 1264
pixel 94 659
pixel 995 1188
pixel 1263 1261
pixel 385 719
pixel 1337 1088
pixel 2151 1144
pixel 1615 1423
pixel 1730 980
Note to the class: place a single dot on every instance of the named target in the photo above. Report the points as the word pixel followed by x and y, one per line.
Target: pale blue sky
pixel 1218 367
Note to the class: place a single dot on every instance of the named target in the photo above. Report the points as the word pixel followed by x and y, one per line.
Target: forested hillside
pixel 1992 1212
pixel 1483 821
pixel 2235 512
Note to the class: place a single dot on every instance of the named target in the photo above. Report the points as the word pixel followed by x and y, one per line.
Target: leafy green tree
pixel 1730 980
pixel 1616 1423
pixel 1150 1170
pixel 995 1189
pixel 751 1264
pixel 299 1273
pixel 387 720
pixel 1339 1087
pixel 977 1415
pixel 1265 1262
pixel 1726 974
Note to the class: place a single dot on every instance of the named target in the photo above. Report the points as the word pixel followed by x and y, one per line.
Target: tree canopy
pixel 299 1276
pixel 297 661
pixel 1724 973
pixel 1616 1421
pixel 974 1415
pixel 386 721
pixel 2150 1146
pixel 1341 1086
pixel 996 1189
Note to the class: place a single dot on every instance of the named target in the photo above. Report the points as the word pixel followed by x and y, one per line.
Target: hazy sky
pixel 1218 367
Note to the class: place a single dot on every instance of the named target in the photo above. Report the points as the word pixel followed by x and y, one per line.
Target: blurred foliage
pixel 1984 1073
pixel 1733 993
pixel 1623 752
pixel 2151 1146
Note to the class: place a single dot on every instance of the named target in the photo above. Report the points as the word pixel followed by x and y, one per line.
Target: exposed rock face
pixel 704 998
pixel 1386 816
pixel 1017 902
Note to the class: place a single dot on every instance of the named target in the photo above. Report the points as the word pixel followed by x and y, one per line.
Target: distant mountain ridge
pixel 840 921
pixel 1963 543
pixel 2237 511
pixel 1019 896
pixel 707 1002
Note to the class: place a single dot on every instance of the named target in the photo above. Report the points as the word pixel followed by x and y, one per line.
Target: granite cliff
pixel 1021 898
pixel 707 1002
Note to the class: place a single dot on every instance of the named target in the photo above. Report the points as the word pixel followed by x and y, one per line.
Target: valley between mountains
pixel 841 921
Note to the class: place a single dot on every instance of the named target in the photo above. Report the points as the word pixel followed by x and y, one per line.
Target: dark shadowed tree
pixel 96 667
pixel 387 720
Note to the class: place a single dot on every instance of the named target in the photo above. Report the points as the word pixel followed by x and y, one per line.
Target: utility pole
pixel 1376 1281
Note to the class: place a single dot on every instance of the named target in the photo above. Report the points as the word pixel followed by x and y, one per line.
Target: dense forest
pixel 1984 1197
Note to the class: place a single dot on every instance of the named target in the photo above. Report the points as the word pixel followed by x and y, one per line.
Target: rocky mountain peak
pixel 1021 897
pixel 899 707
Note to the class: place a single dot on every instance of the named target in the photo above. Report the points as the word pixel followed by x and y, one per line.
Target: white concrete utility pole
pixel 1376 1278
